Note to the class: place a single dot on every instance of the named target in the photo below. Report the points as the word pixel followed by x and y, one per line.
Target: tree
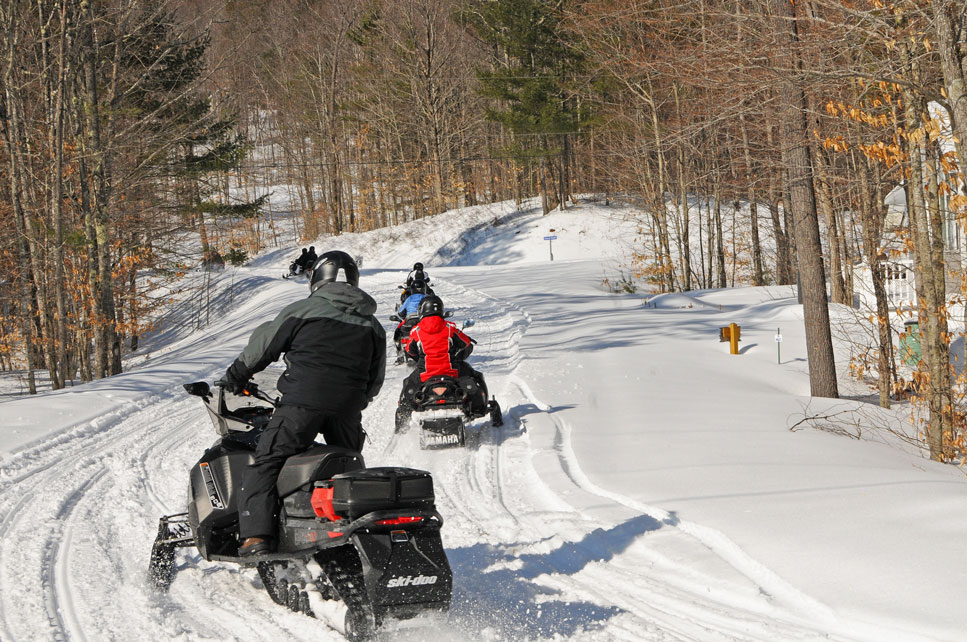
pixel 809 249
pixel 531 81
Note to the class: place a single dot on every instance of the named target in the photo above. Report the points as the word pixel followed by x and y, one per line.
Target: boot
pixel 254 546
pixel 496 416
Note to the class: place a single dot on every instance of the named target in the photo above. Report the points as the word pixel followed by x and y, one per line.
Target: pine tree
pixel 531 81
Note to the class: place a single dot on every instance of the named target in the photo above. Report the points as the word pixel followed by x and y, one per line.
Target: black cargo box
pixel 370 489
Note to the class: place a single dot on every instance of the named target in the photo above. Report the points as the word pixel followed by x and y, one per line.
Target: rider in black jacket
pixel 335 356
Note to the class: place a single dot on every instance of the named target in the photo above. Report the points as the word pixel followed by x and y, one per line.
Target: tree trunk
pixel 932 342
pixel 719 243
pixel 837 286
pixel 871 219
pixel 12 137
pixel 953 61
pixel 809 250
pixel 757 275
pixel 57 209
pixel 107 358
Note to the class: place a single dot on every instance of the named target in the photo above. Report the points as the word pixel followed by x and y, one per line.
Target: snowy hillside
pixel 645 486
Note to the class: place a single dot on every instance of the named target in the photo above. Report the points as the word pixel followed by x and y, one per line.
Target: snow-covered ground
pixel 646 485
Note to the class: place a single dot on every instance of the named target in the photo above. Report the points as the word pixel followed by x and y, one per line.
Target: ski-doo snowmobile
pixel 356 546
pixel 441 409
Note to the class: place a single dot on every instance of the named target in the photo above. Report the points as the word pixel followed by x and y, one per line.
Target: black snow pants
pixel 291 431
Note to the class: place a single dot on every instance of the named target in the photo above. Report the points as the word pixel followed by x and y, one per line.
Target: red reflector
pixel 398 521
pixel 322 504
pixel 334 534
pixel 439 391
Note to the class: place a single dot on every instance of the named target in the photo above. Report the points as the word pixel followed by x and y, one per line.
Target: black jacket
pixel 335 350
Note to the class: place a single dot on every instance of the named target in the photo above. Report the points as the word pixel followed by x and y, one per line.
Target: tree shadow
pixel 494 587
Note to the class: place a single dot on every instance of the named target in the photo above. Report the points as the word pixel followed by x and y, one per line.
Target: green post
pixel 910 350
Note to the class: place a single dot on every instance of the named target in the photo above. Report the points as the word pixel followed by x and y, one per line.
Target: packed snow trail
pixel 540 551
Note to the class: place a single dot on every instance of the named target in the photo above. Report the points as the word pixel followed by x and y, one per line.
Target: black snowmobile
pixel 401 337
pixel 356 546
pixel 441 409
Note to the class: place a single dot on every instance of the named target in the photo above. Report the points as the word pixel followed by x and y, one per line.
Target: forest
pixel 132 126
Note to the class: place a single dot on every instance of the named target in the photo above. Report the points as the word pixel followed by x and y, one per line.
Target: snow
pixel 646 484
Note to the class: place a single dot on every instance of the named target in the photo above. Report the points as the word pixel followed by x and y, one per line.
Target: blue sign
pixel 550 238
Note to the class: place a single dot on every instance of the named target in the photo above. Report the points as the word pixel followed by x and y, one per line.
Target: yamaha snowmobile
pixel 356 546
pixel 441 409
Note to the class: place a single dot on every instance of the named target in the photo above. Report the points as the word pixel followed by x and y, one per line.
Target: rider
pixel 412 303
pixel 441 349
pixel 409 309
pixel 335 356
pixel 311 258
pixel 299 265
pixel 417 274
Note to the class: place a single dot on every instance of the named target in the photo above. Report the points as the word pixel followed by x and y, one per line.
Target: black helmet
pixel 326 269
pixel 312 248
pixel 418 287
pixel 418 267
pixel 303 250
pixel 431 306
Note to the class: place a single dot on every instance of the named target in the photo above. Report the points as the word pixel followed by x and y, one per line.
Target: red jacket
pixel 439 345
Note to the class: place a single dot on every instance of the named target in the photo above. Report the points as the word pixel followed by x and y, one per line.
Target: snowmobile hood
pixel 347 297
pixel 433 324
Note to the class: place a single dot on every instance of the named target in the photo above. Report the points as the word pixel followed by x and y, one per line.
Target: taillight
pixel 398 521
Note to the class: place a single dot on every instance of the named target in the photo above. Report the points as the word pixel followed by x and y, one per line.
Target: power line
pixel 466 159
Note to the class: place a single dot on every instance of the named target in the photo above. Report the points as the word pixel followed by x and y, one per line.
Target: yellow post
pixel 733 338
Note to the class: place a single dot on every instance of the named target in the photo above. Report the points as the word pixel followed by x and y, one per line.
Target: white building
pixel 900 284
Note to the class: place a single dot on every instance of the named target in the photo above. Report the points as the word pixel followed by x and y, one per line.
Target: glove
pixel 232 386
pixel 233 382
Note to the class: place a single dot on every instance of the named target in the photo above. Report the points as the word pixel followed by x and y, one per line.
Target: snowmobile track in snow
pixel 539 552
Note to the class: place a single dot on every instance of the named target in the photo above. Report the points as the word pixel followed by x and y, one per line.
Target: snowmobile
pixel 295 271
pixel 441 409
pixel 401 337
pixel 407 291
pixel 357 546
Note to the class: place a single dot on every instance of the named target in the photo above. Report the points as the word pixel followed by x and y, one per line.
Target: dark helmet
pixel 312 249
pixel 326 269
pixel 417 267
pixel 418 287
pixel 431 306
pixel 303 250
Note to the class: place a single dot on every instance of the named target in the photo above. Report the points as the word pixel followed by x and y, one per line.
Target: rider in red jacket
pixel 439 346
pixel 441 349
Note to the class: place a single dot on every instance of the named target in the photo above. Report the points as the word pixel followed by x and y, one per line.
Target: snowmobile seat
pixel 318 462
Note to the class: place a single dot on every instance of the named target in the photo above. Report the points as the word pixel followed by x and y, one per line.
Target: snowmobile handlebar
pixel 251 389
